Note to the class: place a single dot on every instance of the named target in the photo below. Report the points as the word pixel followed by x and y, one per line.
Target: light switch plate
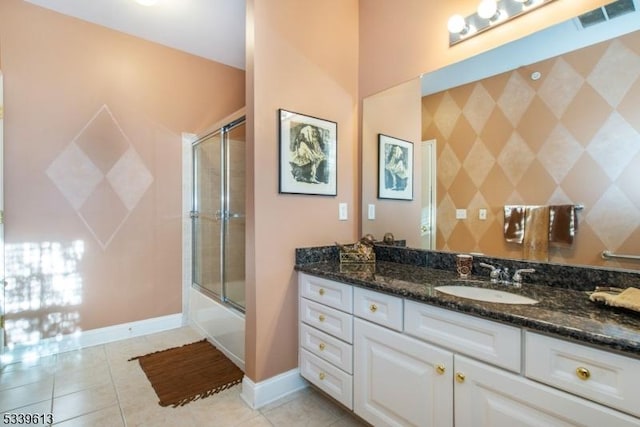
pixel 343 213
pixel 371 212
pixel 482 214
pixel 461 214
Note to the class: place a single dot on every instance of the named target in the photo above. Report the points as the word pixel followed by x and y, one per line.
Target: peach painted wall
pixel 394 112
pixel 93 169
pixel 303 57
pixel 402 39
pixel 572 137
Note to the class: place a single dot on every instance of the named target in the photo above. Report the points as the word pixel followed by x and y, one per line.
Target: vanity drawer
pixel 383 309
pixel 327 319
pixel 328 378
pixel 328 292
pixel 331 349
pixel 604 377
pixel 482 339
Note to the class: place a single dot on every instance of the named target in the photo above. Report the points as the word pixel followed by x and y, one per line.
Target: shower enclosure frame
pixel 223 214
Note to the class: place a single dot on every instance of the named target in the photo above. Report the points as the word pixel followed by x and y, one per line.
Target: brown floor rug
pixel 194 371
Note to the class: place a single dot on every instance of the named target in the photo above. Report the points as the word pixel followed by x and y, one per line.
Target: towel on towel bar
pixel 563 224
pixel 514 223
pixel 535 245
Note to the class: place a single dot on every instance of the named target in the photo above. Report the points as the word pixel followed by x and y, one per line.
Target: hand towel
pixel 563 223
pixel 629 298
pixel 535 245
pixel 514 223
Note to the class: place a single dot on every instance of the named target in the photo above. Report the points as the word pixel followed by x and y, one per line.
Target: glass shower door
pixel 234 230
pixel 218 214
pixel 207 214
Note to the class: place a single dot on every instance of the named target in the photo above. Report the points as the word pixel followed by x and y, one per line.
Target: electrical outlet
pixel 461 214
pixel 482 214
pixel 343 213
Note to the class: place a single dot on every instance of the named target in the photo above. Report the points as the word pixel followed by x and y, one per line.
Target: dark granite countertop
pixel 562 312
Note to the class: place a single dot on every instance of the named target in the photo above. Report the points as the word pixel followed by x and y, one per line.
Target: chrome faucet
pixel 505 279
pixel 517 276
pixel 495 274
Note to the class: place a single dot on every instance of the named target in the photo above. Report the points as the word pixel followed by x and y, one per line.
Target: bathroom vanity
pixel 386 344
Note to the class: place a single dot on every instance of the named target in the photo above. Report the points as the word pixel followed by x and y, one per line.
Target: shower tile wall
pixel 580 143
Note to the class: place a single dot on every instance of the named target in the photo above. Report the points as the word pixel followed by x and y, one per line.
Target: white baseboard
pixel 257 395
pixel 81 339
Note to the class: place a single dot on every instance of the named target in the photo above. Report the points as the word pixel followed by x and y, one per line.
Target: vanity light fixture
pixel 490 13
pixel 457 25
pixel 488 9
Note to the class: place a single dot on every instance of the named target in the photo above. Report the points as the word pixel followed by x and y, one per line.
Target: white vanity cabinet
pixel 490 397
pixel 399 380
pixel 398 362
pixel 604 377
pixel 326 336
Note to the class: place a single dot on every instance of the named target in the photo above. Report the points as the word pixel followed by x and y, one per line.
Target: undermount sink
pixel 483 294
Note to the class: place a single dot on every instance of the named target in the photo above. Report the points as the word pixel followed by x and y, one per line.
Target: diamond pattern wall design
pixel 572 136
pixel 101 175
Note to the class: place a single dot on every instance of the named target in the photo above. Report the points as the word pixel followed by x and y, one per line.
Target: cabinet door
pixel 400 381
pixel 489 397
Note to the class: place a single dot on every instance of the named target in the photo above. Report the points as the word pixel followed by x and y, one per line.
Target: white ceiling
pixel 213 29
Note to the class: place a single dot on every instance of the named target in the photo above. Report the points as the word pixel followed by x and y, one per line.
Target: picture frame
pixel 395 168
pixel 308 161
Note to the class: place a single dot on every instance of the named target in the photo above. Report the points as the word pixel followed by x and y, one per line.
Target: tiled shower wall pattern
pixel 573 136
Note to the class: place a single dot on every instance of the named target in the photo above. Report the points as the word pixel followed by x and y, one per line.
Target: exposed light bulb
pixel 457 24
pixel 488 9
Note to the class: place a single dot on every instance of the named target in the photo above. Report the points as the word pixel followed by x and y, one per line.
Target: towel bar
pixel 609 255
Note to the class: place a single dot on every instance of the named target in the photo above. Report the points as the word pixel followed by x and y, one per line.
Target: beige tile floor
pixel 97 386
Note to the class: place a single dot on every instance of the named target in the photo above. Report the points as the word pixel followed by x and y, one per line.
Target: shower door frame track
pixel 222 215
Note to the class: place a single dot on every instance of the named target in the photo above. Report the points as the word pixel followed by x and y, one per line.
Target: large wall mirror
pixel 551 119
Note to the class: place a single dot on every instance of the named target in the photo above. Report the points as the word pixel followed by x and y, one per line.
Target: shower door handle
pixel 234 215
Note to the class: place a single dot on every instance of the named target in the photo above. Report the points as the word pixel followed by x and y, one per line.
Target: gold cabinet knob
pixel 583 373
pixel 373 308
pixel 440 368
pixel 321 291
pixel 460 377
pixel 321 318
pixel 321 376
pixel 321 346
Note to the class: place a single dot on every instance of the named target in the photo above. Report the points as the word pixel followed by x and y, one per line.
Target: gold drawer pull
pixel 321 376
pixel 321 318
pixel 321 291
pixel 583 373
pixel 373 308
pixel 321 346
pixel 440 368
pixel 460 377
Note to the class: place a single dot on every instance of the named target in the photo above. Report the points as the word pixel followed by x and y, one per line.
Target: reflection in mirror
pixel 563 129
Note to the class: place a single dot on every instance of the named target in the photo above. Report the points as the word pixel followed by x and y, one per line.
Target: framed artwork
pixel 395 168
pixel 308 160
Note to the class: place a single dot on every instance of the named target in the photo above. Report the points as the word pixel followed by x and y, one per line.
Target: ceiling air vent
pixel 605 13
